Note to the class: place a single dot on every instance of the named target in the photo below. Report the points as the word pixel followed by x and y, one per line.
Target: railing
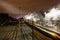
pixel 46 33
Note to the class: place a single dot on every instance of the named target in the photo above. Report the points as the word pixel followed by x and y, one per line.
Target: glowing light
pixel 32 16
pixel 54 13
pixel 28 17
pixel 52 16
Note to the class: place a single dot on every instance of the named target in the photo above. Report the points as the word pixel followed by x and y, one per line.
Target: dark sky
pixel 31 5
pixel 34 5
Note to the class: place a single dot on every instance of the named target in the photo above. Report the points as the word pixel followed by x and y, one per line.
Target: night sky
pixel 34 5
pixel 29 5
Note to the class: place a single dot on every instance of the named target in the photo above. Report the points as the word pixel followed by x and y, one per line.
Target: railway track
pixel 17 32
pixel 24 32
pixel 8 32
pixel 27 33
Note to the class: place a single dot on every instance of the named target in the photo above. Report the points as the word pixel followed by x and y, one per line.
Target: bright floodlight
pixel 32 16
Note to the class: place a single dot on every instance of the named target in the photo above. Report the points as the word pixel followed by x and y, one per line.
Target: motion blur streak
pixel 12 10
pixel 54 14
